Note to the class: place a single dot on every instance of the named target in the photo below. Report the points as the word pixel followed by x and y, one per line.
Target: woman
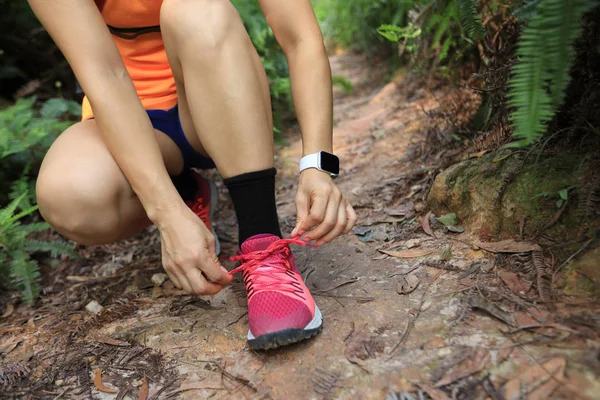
pixel 177 84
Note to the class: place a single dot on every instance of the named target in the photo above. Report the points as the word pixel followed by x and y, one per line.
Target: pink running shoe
pixel 204 203
pixel 281 309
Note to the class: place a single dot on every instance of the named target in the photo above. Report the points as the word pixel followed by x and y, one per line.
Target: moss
pixel 490 195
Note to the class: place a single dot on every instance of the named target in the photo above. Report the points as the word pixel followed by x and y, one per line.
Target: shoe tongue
pixel 258 242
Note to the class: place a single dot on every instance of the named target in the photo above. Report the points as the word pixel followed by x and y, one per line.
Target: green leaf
pixel 448 219
pixel 564 194
pixel 470 19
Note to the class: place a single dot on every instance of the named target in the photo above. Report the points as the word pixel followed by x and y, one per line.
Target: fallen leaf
pixel 473 364
pixel 481 303
pixel 425 225
pixel 448 219
pixel 513 282
pixel 9 310
pixel 412 243
pixel 100 386
pixel 144 390
pixel 446 254
pixel 435 394
pixel 9 345
pixel 363 345
pixel 542 379
pixel 407 284
pixel 401 210
pixel 98 337
pixel 507 246
pixel 411 253
pixel 455 229
pixel 524 319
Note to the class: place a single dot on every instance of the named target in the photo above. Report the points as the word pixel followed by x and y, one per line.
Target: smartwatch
pixel 323 161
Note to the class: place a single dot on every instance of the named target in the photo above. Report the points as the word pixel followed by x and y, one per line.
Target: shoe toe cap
pixel 271 312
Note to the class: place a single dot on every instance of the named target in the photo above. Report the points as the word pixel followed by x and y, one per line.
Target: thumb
pixel 302 211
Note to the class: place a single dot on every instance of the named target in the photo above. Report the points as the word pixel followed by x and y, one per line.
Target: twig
pixel 586 244
pixel 551 375
pixel 351 332
pixel 413 317
pixel 349 281
pixel 405 272
pixel 335 296
pixel 237 319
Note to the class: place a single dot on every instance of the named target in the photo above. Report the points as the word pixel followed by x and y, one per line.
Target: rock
pixel 93 307
pixel 159 279
pixel 492 193
pixel 109 268
pixel 412 243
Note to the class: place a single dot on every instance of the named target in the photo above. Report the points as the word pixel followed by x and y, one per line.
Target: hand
pixel 322 206
pixel 188 254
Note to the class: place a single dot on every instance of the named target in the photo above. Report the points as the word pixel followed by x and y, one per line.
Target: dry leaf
pixel 100 386
pixel 507 246
pixel 9 345
pixel 411 253
pixel 425 225
pixel 98 337
pixel 473 364
pixel 407 284
pixel 513 282
pixel 9 310
pixel 538 379
pixel 144 390
pixel 435 394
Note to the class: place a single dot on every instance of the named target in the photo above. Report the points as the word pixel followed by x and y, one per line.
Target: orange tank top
pixel 134 25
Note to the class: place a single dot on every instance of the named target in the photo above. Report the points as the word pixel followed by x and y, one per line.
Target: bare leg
pixel 82 192
pixel 222 86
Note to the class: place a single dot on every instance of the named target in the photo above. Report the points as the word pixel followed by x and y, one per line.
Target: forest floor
pixel 439 316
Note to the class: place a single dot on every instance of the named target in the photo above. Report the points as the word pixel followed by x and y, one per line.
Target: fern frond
pixel 34 227
pixel 541 76
pixel 470 19
pixel 542 278
pixel 6 213
pixel 54 248
pixel 26 275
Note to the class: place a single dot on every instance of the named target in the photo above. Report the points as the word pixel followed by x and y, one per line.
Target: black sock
pixel 253 196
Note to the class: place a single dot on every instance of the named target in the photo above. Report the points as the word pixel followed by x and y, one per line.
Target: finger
pixel 210 265
pixel 302 210
pixel 339 226
pixel 199 285
pixel 327 223
pixel 185 284
pixel 350 218
pixel 174 279
pixel 318 209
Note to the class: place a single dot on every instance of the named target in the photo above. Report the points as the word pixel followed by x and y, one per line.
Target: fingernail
pixel 294 232
pixel 224 269
pixel 320 243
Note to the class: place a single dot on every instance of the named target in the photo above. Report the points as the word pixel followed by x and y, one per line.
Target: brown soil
pixel 479 324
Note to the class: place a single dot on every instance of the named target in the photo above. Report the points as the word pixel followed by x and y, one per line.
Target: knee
pixel 208 24
pixel 78 210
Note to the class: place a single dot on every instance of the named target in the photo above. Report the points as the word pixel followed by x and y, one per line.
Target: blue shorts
pixel 168 122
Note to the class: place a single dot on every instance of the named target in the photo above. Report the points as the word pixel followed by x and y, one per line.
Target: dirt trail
pixel 436 338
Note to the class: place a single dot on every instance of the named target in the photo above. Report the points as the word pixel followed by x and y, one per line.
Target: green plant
pixel 16 247
pixel 26 133
pixel 470 19
pixel 545 55
pixel 353 23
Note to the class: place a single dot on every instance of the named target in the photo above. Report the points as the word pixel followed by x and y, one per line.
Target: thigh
pixel 84 194
pixel 176 59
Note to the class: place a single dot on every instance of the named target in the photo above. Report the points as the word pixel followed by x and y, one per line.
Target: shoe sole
pixel 214 196
pixel 286 337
